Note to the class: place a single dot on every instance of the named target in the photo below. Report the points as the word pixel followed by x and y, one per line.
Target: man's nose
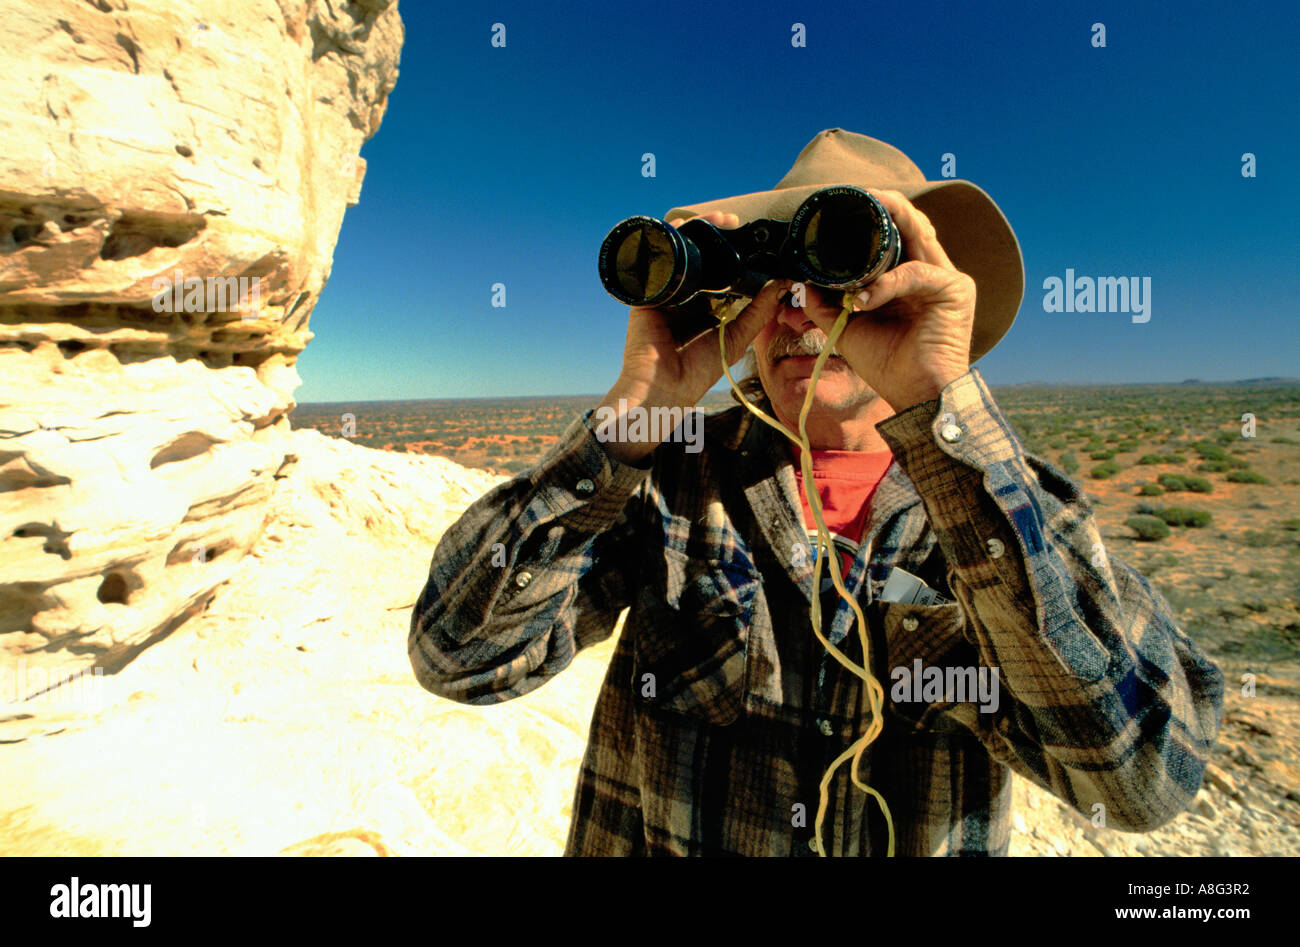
pixel 793 317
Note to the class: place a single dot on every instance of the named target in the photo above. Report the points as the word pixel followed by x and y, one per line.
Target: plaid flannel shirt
pixel 721 711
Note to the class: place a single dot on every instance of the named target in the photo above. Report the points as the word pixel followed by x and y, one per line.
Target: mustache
pixel 788 344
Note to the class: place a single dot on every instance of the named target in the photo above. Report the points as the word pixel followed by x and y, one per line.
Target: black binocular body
pixel 840 238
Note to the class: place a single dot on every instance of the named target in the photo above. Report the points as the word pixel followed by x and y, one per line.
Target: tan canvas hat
pixel 971 228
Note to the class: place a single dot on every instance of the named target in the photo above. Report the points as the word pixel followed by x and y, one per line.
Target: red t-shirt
pixel 846 480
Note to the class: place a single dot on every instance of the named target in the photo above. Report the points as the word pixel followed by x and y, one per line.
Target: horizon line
pixel 727 391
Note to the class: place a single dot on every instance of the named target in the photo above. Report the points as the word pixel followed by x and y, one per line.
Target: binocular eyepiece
pixel 840 238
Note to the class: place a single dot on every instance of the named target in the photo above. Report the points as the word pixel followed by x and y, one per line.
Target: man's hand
pixel 657 372
pixel 917 339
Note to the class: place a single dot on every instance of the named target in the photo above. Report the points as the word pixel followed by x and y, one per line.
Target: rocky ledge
pixel 172 183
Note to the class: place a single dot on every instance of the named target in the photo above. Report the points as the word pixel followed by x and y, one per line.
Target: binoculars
pixel 840 238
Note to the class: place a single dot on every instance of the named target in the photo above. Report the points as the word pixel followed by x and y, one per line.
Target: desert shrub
pixel 1126 446
pixel 1283 440
pixel 1104 471
pixel 1210 451
pixel 1257 539
pixel 1214 466
pixel 1102 454
pixel 1151 490
pixel 1198 485
pixel 1181 516
pixel 1058 445
pixel 1226 437
pixel 1160 560
pixel 1293 523
pixel 1246 476
pixel 1175 458
pixel 1172 482
pixel 1148 528
pixel 1069 463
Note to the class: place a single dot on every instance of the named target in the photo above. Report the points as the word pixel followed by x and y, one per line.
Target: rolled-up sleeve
pixel 531 573
pixel 1103 698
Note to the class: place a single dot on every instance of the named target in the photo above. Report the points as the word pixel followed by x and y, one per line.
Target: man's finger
pixel 913 278
pixel 761 310
pixel 745 327
pixel 716 217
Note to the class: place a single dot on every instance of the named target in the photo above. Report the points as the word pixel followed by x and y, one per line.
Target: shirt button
pixel 996 549
pixel 523 578
pixel 909 623
pixel 950 433
pixel 825 727
pixel 585 487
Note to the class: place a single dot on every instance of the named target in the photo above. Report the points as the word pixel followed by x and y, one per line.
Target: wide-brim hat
pixel 970 227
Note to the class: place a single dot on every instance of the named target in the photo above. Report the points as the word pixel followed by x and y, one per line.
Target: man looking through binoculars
pixel 967 556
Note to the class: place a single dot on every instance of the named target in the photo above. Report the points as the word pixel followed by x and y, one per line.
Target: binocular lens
pixel 840 245
pixel 843 237
pixel 643 261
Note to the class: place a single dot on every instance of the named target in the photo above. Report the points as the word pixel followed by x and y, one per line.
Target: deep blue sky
pixel 510 165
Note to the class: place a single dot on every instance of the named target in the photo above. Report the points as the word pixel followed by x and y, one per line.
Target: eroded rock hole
pixel 132 49
pixel 113 590
pixel 56 543
pixel 197 554
pixel 183 448
pixel 137 234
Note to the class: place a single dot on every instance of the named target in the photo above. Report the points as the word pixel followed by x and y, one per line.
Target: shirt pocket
pixel 692 635
pixel 918 638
